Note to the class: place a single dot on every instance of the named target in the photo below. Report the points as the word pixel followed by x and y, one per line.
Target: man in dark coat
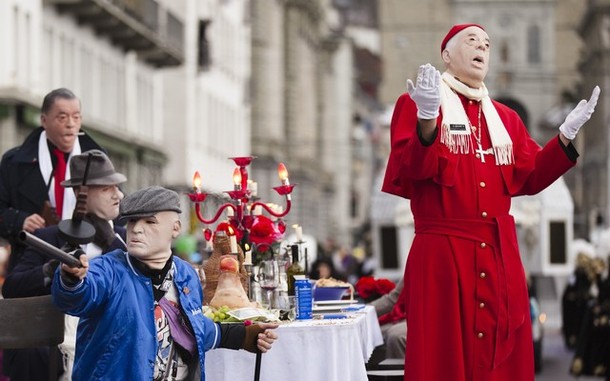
pixel 28 190
pixel 33 272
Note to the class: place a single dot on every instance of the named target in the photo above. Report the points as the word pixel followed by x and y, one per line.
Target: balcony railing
pixel 143 26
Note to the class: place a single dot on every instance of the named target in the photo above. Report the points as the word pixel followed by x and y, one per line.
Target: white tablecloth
pixel 307 350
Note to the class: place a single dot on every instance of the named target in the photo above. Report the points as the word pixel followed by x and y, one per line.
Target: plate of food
pixel 331 289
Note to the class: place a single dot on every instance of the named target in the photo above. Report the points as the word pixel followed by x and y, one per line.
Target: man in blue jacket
pixel 141 310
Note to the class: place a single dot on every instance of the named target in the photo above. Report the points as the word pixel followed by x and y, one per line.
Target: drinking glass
pixel 268 278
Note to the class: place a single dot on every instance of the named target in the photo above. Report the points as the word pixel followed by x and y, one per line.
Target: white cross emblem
pixel 481 152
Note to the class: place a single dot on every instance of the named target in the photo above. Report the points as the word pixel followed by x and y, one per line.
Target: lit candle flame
pixel 237 178
pixel 197 181
pixel 283 174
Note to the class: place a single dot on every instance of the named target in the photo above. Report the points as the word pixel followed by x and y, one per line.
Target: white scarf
pixel 46 168
pixel 455 127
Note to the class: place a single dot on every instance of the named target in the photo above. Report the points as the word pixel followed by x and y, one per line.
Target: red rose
pixel 365 287
pixel 264 232
pixel 384 286
pixel 369 287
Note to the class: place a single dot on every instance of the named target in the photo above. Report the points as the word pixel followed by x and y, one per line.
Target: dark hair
pixel 49 99
pixel 314 272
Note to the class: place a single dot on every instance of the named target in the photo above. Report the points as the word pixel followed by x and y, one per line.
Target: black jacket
pixel 22 189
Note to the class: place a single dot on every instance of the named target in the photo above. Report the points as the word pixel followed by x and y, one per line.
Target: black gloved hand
pixel 104 234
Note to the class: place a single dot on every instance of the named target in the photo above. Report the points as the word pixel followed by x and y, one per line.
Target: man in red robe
pixel 460 157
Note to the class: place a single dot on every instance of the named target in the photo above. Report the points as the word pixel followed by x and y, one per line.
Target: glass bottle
pixel 295 268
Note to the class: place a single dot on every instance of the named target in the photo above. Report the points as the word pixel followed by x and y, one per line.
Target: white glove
pixel 577 117
pixel 427 93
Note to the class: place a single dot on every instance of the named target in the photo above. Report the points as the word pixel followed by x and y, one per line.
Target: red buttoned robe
pixel 465 292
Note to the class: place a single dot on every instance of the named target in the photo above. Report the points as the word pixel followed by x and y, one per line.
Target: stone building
pixel 302 110
pixel 591 180
pixel 109 54
pixel 164 84
pixel 171 87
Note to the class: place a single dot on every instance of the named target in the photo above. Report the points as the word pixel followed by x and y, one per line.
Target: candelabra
pixel 244 204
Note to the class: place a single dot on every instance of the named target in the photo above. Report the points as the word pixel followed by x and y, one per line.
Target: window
pixel 533 44
pixel 505 52
pixel 204 57
pixel 558 242
pixel 389 247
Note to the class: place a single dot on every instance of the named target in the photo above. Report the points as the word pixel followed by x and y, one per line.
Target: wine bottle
pixel 295 268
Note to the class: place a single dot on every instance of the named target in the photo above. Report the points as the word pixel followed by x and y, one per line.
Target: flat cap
pixel 147 202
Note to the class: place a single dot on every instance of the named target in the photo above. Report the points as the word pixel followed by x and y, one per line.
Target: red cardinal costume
pixel 465 292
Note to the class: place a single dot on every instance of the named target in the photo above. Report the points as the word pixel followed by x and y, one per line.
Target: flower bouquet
pixel 265 236
pixel 369 288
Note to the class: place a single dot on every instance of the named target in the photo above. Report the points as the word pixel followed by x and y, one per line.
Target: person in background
pixel 141 309
pixel 33 272
pixel 323 268
pixel 346 264
pixel 31 195
pixel 460 157
pixel 392 318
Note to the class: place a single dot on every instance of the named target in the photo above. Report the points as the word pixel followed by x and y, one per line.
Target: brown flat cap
pixel 101 170
pixel 148 202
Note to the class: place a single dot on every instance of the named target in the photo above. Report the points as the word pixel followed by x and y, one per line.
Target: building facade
pixel 592 177
pixel 110 55
pixel 173 87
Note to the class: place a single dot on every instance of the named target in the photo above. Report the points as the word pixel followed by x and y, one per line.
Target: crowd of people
pixel 585 314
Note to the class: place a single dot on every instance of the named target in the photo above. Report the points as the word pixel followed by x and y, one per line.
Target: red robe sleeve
pixel 399 136
pixel 411 161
